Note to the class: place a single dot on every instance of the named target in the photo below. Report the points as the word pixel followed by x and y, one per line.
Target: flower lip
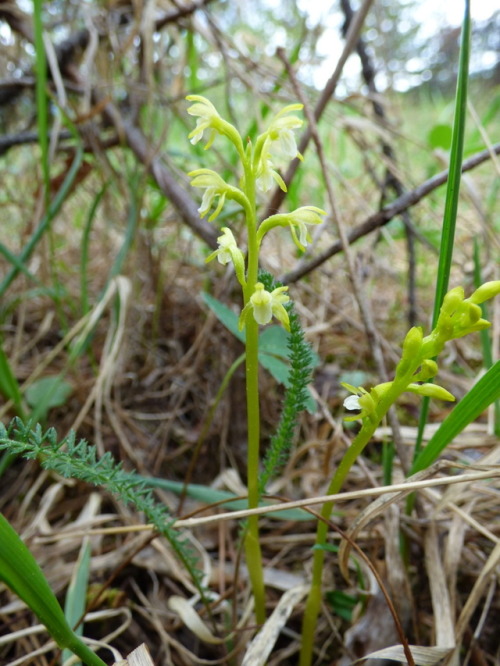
pixel 352 402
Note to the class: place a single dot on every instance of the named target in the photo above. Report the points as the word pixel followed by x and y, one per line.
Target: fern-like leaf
pixel 79 460
pixel 296 395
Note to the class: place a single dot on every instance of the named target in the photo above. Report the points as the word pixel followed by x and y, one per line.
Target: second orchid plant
pixel 259 165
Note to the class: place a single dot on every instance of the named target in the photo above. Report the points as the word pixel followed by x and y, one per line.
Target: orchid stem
pixel 252 542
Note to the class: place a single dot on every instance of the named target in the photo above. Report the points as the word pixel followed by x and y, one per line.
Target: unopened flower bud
pixel 431 391
pixel 428 369
pixel 452 301
pixel 485 292
pixel 413 342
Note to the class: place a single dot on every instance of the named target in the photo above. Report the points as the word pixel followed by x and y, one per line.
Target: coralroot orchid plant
pixel 260 305
pixel 459 316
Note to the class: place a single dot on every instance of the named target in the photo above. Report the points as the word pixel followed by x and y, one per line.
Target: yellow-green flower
pixel 227 251
pixel 214 186
pixel 360 400
pixel 264 305
pixel 278 140
pixel 297 220
pixel 280 132
pixel 267 174
pixel 208 118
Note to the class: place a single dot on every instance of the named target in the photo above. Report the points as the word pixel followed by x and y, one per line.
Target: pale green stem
pixel 355 449
pixel 252 543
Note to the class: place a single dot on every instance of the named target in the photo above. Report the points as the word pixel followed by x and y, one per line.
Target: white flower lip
pixel 352 402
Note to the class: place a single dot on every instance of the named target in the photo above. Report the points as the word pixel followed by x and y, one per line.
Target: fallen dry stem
pixel 403 488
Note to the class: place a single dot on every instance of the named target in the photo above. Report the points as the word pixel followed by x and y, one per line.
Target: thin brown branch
pixel 387 213
pixel 182 12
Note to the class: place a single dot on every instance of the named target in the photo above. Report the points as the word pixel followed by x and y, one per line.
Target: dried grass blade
pixel 423 656
pixel 261 646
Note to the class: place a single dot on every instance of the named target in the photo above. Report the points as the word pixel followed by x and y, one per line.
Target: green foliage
pixel 45 223
pixel 479 398
pixel 452 193
pixel 46 393
pixel 74 604
pixel 440 136
pixel 20 571
pixel 296 394
pixel 79 460
pixel 9 386
pixel 41 94
pixel 211 495
pixel 342 604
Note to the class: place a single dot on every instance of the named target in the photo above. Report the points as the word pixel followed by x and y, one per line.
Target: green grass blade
pixel 130 230
pixel 41 94
pixel 85 249
pixel 52 211
pixel 211 495
pixel 9 386
pixel 479 398
pixel 74 605
pixel 20 571
pixel 15 261
pixel 455 171
pixel 452 194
